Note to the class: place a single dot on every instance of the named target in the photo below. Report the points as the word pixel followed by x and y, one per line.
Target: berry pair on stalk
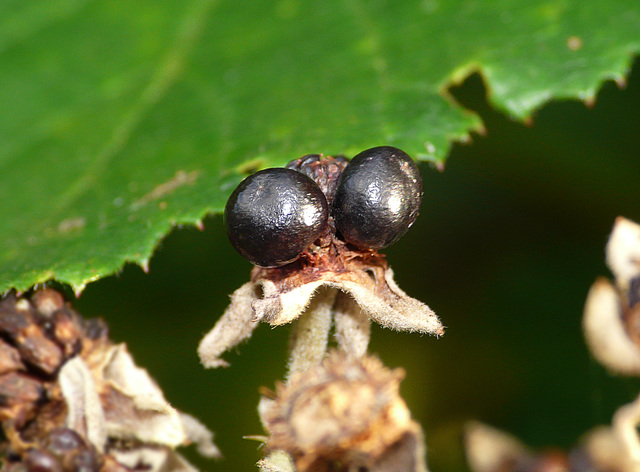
pixel 274 215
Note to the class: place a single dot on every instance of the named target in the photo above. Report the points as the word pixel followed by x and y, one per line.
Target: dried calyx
pixel 71 400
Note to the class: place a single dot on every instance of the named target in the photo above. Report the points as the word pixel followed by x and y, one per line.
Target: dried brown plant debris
pixel 72 400
pixel 343 415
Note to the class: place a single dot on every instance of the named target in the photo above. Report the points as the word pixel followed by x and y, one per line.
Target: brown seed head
pixel 60 377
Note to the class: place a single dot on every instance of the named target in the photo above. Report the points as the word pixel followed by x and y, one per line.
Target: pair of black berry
pixel 275 214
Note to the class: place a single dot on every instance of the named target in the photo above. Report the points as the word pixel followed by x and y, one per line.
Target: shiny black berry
pixel 378 197
pixel 274 215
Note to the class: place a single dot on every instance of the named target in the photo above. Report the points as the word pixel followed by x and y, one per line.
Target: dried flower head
pixel 72 400
pixel 344 415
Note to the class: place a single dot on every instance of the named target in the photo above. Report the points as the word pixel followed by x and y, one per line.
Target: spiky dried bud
pixel 71 400
pixel 345 415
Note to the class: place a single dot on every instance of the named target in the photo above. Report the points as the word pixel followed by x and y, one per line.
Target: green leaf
pixel 120 120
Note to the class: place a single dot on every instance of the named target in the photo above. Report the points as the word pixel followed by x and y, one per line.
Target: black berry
pixel 274 215
pixel 378 197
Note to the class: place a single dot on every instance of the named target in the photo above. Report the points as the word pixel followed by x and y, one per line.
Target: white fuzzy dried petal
pixel 280 297
pixel 200 435
pixel 85 414
pixel 625 422
pixel 142 412
pixel 264 407
pixel 623 251
pixel 278 308
pixel 278 461
pixel 605 333
pixel 177 463
pixel 375 291
pixel 133 381
pixel 488 449
pixel 395 309
pixel 606 451
pixel 234 326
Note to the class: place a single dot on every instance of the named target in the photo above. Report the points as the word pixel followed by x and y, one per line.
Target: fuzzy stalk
pixel 352 327
pixel 310 335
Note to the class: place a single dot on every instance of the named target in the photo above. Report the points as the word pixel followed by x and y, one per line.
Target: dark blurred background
pixel 510 238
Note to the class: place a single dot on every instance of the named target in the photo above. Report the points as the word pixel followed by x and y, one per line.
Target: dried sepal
pixel 605 332
pixel 200 435
pixel 90 399
pixel 153 458
pixel 625 423
pixel 280 296
pixel 139 410
pixel 623 251
pixel 370 284
pixel 235 325
pixel 490 450
pixel 605 451
pixel 84 407
pixel 343 415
